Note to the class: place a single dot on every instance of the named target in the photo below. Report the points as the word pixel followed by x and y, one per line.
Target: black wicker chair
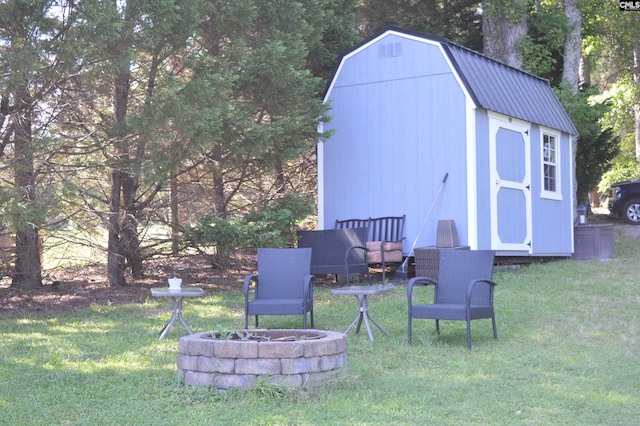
pixel 283 286
pixel 463 291
pixel 337 251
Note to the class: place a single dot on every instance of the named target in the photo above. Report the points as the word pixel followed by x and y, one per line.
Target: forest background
pixel 135 129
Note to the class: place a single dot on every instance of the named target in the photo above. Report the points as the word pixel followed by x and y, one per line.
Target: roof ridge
pixel 446 41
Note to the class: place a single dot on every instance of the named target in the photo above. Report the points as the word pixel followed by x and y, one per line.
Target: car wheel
pixel 632 212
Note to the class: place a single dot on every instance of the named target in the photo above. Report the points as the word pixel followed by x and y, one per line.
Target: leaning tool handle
pixel 424 222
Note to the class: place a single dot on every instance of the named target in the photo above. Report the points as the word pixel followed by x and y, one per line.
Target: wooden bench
pixel 337 251
pixel 384 239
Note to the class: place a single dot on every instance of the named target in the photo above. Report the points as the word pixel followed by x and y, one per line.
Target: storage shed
pixel 408 108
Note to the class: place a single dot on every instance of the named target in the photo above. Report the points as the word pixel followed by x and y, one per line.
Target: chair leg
pixel 256 321
pixel 409 336
pixel 469 334
pixel 438 327
pixel 246 321
pixel 312 324
pixel 495 330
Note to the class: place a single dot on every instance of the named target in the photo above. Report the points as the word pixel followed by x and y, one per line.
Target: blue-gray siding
pixel 398 131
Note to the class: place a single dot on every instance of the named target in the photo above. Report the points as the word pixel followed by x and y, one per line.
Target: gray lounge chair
pixel 283 285
pixel 463 290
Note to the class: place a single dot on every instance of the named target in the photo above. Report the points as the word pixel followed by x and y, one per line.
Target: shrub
pixel 273 226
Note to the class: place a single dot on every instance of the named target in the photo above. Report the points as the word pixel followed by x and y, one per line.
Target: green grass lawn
pixel 567 354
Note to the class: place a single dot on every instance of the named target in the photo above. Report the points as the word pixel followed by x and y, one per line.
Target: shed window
pixel 550 166
pixel 390 50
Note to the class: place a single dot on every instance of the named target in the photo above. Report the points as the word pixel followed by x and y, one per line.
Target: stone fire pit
pixel 297 358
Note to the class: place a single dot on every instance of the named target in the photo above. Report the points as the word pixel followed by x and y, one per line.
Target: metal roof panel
pixel 507 90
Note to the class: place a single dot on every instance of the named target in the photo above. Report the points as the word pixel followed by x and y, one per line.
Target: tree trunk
pixel 572 45
pixel 175 220
pixel 280 178
pixel 115 257
pixel 503 31
pixel 129 240
pixel 636 104
pixel 124 245
pixel 585 72
pixel 219 198
pixel 28 269
pixel 571 74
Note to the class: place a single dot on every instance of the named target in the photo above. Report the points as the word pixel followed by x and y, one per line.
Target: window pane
pixel 549 178
pixel 549 162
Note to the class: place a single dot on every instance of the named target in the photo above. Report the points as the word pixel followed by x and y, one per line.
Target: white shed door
pixel 510 184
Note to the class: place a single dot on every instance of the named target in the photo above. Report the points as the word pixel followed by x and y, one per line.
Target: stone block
pixel 187 362
pixel 195 378
pixel 213 365
pixel 300 365
pixel 257 366
pixel 233 381
pixel 235 349
pixel 331 362
pixel 326 347
pixel 280 349
pixel 195 345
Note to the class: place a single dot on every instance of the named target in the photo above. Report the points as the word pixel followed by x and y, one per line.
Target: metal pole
pixel 403 267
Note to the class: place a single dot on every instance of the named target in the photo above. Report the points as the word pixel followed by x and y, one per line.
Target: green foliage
pixel 213 231
pixel 597 145
pixel 272 226
pixel 456 20
pixel 275 225
pixel 542 48
pixel 624 167
pixel 18 213
pixel 235 334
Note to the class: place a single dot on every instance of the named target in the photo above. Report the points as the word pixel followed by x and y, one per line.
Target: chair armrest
pixel 308 287
pixel 348 251
pixel 366 260
pixel 424 281
pixel 247 283
pixel 473 283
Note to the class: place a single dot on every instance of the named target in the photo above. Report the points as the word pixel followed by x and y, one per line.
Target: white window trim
pixel 557 194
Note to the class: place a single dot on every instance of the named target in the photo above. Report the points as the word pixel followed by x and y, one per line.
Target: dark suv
pixel 625 201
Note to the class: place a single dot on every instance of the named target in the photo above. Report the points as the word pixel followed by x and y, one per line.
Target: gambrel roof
pixel 495 86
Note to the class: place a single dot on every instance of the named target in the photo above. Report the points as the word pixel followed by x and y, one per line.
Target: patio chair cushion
pixel 392 251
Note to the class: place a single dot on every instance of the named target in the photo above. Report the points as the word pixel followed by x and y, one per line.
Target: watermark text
pixel 630 5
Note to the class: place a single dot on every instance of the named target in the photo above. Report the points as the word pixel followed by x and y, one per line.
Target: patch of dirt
pixel 78 288
pixel 74 289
